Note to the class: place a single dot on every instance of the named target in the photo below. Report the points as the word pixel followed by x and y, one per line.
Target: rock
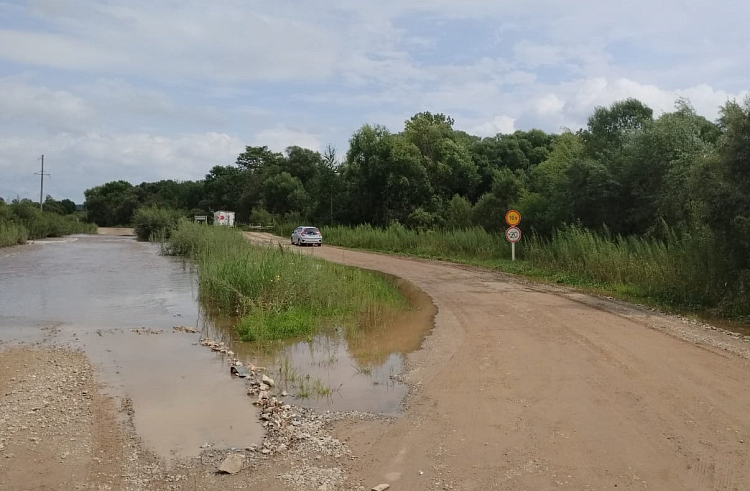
pixel 323 487
pixel 267 380
pixel 232 464
pixel 283 393
pixel 281 448
pixel 381 487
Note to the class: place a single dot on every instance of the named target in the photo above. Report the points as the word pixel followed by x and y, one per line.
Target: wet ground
pixel 118 299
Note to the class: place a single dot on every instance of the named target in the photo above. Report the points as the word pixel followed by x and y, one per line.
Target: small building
pixel 225 218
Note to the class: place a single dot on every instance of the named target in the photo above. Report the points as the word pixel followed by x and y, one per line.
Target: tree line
pixel 627 173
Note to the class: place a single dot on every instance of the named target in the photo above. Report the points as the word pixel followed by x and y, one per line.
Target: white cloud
pixel 23 103
pixel 548 103
pixel 498 124
pixel 79 162
pixel 145 90
pixel 281 137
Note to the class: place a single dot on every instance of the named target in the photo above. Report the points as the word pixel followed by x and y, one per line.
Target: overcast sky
pixel 144 90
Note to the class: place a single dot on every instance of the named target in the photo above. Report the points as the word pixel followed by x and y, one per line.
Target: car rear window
pixel 311 231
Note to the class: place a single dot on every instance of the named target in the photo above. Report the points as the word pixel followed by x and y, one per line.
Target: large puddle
pixel 119 300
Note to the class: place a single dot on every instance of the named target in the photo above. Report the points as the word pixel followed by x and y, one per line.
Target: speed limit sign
pixel 513 234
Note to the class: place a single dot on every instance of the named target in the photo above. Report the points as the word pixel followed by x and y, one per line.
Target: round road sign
pixel 513 234
pixel 512 218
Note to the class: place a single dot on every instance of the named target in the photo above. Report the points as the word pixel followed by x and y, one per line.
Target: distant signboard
pixel 225 218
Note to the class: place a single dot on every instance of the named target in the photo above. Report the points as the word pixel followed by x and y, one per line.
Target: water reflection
pixel 339 369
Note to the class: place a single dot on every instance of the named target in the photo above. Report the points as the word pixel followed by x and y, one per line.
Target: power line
pixel 41 187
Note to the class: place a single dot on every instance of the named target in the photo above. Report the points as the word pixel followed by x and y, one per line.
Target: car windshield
pixel 311 231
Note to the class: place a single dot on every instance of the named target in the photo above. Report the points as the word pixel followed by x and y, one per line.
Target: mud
pixel 524 387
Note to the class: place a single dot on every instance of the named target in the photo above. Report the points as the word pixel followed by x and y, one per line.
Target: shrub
pixel 152 223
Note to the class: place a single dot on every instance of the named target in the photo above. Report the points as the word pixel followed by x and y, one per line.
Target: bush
pixel 152 223
pixel 261 216
pixel 12 234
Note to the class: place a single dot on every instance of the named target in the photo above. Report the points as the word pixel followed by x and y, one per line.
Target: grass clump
pixel 277 293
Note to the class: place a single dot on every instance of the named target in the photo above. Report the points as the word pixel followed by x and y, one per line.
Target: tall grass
pixel 151 223
pixel 22 221
pixel 684 270
pixel 53 225
pixel 12 234
pixel 275 292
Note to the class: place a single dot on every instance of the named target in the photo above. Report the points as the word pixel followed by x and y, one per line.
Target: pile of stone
pixel 219 347
pixel 185 329
pixel 144 330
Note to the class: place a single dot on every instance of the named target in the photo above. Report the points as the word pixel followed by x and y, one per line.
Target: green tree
pixel 111 204
pixel 610 127
pixel 458 213
pixel 284 194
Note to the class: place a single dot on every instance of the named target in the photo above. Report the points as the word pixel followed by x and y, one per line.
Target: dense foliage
pixel 671 179
pixel 21 220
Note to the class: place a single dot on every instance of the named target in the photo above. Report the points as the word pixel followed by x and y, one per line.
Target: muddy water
pixel 342 370
pixel 93 292
pixel 90 292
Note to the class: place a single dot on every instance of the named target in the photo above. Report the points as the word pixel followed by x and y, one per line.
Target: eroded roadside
pixel 58 430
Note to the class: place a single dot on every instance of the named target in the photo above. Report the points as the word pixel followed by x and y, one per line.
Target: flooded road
pixel 118 300
pixel 89 292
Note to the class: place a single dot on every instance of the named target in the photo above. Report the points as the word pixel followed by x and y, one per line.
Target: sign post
pixel 513 233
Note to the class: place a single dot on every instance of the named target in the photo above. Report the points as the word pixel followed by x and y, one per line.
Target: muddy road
pixel 526 387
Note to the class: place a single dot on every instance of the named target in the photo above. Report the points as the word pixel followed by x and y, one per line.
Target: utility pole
pixel 41 188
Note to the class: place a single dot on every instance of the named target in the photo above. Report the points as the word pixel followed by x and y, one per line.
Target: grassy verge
pixel 277 293
pixel 17 228
pixel 678 274
pixel 53 225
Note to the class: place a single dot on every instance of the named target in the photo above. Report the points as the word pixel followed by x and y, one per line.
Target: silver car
pixel 307 235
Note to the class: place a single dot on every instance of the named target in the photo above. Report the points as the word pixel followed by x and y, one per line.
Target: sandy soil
pixel 524 387
pixel 115 231
pixel 519 387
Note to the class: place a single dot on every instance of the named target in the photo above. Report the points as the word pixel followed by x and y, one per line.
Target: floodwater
pixel 118 299
pixel 354 370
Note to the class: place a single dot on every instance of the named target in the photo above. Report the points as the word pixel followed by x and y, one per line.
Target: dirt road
pixel 524 387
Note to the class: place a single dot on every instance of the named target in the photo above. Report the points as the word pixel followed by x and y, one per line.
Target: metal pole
pixel 41 187
pixel 513 251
